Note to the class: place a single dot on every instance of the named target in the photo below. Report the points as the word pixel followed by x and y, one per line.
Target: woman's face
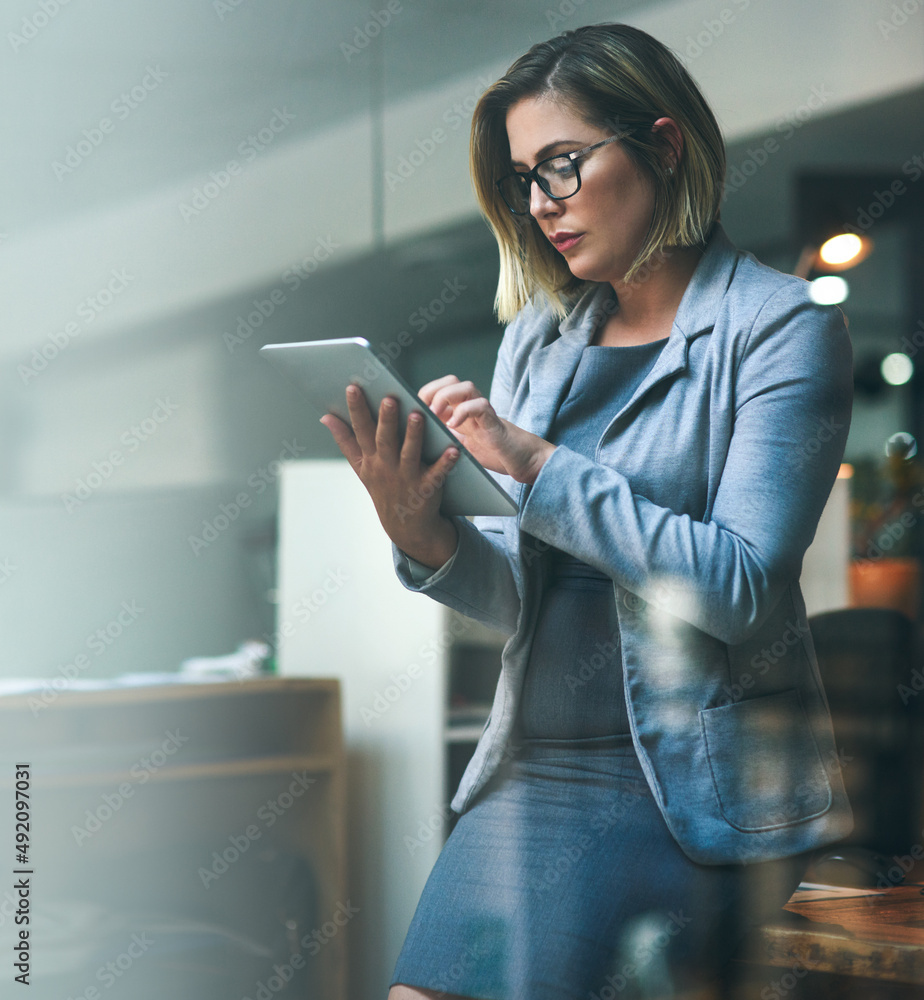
pixel 600 229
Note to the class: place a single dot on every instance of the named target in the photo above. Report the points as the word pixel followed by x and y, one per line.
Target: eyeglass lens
pixel 557 177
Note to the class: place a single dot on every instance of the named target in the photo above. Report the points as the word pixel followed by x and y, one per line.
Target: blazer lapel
pixel 551 368
pixel 550 372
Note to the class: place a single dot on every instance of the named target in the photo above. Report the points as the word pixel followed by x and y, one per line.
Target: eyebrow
pixel 548 147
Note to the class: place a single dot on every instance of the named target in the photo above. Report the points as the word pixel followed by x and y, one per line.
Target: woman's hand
pixel 496 443
pixel 406 494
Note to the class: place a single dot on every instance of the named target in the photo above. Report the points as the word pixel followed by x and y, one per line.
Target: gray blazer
pixel 704 493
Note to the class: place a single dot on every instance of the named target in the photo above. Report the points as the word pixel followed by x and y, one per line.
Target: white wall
pixel 824 579
pixel 342 613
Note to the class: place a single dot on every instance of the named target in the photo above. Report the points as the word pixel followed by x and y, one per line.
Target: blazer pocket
pixel 765 765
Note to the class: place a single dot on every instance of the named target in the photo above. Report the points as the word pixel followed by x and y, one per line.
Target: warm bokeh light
pixel 828 290
pixel 897 368
pixel 841 249
pixel 845 471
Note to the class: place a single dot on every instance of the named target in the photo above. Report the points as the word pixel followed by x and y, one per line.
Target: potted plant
pixel 887 529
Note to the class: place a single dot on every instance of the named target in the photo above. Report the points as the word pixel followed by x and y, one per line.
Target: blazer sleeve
pixel 792 398
pixel 480 579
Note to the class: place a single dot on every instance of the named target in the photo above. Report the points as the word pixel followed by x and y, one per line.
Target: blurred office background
pixel 186 181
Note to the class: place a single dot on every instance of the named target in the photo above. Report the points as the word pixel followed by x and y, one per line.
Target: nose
pixel 540 204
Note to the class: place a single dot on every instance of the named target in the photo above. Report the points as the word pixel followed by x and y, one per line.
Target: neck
pixel 651 300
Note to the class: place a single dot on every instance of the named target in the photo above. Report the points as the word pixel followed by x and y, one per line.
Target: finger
pixel 386 431
pixel 426 392
pixel 344 439
pixel 448 397
pixel 361 419
pixel 413 441
pixel 478 408
pixel 435 476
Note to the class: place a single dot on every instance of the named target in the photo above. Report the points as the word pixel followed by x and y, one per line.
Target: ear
pixel 670 130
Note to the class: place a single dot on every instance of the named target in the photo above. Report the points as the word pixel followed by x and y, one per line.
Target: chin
pixel 588 272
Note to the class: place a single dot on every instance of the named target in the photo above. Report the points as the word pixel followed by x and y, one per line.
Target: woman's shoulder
pixel 759 285
pixel 769 313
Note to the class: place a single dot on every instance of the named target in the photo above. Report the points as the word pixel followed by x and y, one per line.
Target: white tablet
pixel 324 368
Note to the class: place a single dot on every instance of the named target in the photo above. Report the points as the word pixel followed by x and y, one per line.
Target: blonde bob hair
pixel 621 80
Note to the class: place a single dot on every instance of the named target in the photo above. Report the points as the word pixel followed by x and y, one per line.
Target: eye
pixel 561 168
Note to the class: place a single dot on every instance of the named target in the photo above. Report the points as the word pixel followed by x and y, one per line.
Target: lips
pixel 564 241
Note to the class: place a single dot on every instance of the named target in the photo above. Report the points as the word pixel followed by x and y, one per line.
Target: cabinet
pixel 188 840
pixel 412 709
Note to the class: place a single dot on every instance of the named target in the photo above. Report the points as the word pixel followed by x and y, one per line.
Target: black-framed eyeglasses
pixel 558 177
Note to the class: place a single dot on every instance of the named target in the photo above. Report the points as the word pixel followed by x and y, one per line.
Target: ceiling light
pixel 897 369
pixel 840 249
pixel 828 290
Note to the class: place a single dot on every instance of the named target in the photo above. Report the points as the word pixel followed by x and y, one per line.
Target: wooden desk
pixel 249 794
pixel 876 937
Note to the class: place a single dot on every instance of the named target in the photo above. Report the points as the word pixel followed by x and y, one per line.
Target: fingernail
pixel 453 454
pixel 416 418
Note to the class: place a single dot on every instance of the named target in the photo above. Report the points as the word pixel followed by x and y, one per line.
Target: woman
pixel 669 415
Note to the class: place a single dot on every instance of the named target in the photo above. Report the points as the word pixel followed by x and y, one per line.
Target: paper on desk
pixel 816 890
